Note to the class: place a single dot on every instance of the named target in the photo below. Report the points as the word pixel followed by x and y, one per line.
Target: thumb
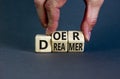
pixel 90 17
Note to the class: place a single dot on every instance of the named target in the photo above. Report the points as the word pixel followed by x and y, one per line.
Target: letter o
pixel 56 35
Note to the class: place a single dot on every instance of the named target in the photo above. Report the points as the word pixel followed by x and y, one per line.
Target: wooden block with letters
pixel 59 41
pixel 75 41
pixel 42 43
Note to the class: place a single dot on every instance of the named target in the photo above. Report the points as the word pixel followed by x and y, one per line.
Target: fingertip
pixel 50 30
pixel 44 25
pixel 86 33
pixel 87 36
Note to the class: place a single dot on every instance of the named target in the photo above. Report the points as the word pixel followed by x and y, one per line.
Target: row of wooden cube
pixel 60 41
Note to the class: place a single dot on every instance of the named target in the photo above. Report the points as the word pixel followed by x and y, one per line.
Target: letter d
pixel 43 44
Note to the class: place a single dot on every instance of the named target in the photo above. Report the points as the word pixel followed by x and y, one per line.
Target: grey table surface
pixel 19 24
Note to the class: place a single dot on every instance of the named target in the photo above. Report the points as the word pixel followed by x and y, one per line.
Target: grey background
pixel 19 24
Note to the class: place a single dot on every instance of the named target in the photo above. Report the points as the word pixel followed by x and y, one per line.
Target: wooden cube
pixel 42 43
pixel 59 41
pixel 75 41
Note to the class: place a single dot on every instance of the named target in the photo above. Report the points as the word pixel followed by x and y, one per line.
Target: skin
pixel 49 13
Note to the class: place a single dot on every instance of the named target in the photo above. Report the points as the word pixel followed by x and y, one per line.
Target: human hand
pixel 90 16
pixel 49 13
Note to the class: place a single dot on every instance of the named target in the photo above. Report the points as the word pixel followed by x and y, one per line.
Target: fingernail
pixel 48 32
pixel 88 36
pixel 44 26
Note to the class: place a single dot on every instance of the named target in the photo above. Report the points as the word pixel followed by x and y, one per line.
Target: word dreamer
pixel 60 41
